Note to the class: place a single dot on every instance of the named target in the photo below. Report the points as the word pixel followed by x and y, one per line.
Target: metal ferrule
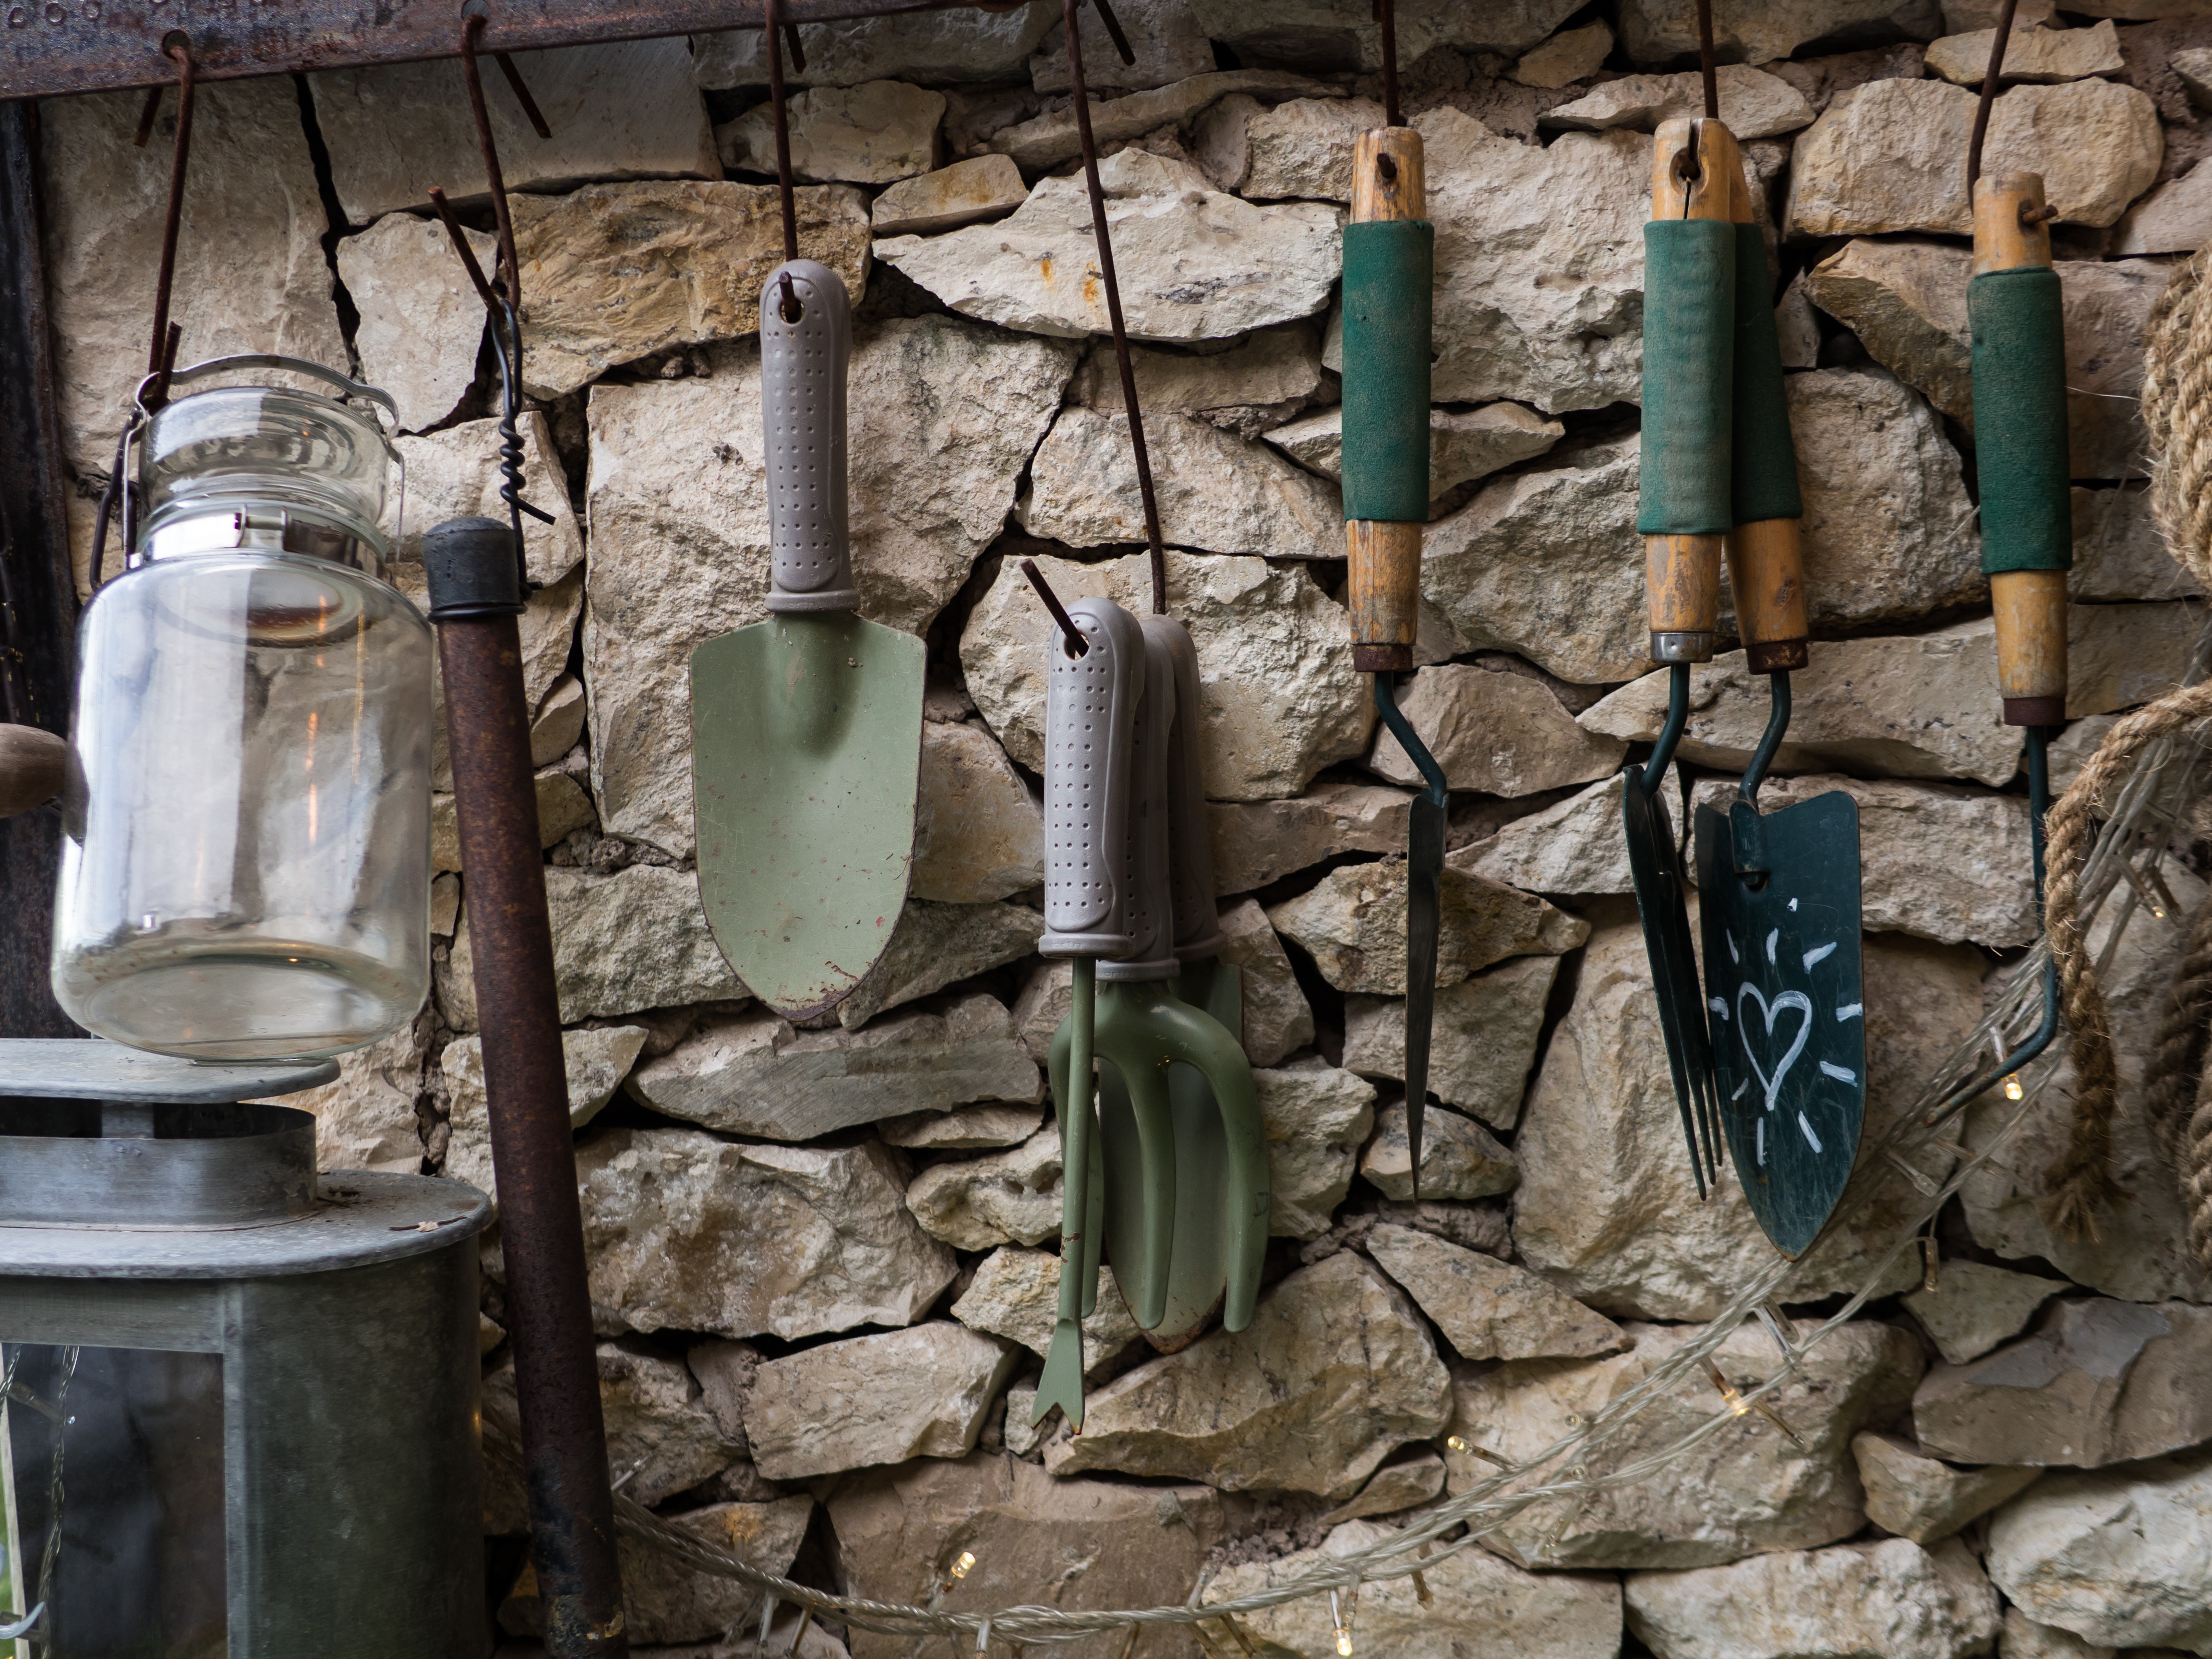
pixel 269 532
pixel 1671 647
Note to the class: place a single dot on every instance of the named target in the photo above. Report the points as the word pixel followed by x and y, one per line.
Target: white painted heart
pixel 1796 999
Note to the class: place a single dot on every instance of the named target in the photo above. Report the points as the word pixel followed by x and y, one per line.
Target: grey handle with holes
pixel 1190 840
pixel 1090 718
pixel 803 366
pixel 1151 917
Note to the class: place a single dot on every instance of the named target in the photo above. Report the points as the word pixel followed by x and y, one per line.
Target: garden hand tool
pixel 1684 512
pixel 1170 1070
pixel 1091 699
pixel 1388 257
pixel 805 728
pixel 1779 893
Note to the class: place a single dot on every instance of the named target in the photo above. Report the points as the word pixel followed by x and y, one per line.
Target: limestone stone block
pixel 1044 142
pixel 421 320
pixel 869 1399
pixel 1661 31
pixel 900 1530
pixel 252 279
pixel 2119 553
pixel 876 133
pixel 964 1128
pixel 1482 1039
pixel 1906 300
pixel 1276 689
pixel 1217 493
pixel 1477 1608
pixel 1192 263
pixel 1570 55
pixel 632 940
pixel 1256 842
pixel 1353 926
pixel 1915 1497
pixel 2098 1381
pixel 1539 264
pixel 1974 1307
pixel 1499 732
pixel 1334 1372
pixel 365 1118
pixel 617 272
pixel 562 809
pixel 1873 161
pixel 1302 148
pixel 1607 1207
pixel 2174 217
pixel 978 833
pixel 1316 1118
pixel 1488 1309
pixel 1746 1490
pixel 935 945
pixel 2022 1637
pixel 685 1231
pixel 1394 1487
pixel 2119 655
pixel 1918 706
pixel 1937 861
pixel 1278 1021
pixel 661 1438
pixel 1339 34
pixel 595 1061
pixel 2139 1251
pixel 981 187
pixel 754 1074
pixel 454 474
pixel 2193 67
pixel 1459 1158
pixel 1166 37
pixel 1892 1598
pixel 1273 365
pixel 1573 846
pixel 944 416
pixel 1463 445
pixel 445 904
pixel 1755 104
pixel 1016 1295
pixel 2121 1556
pixel 1533 564
pixel 665 1602
pixel 929 48
pixel 2031 54
pixel 618 110
pixel 980 1203
pixel 547 628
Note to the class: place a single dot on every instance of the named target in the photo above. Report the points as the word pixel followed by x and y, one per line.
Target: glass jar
pixel 245 868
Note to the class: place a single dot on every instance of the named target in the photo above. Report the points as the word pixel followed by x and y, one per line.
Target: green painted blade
pixel 805 754
pixel 1778 905
pixel 1655 867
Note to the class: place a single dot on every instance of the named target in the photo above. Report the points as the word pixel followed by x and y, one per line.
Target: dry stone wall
pixel 821 1258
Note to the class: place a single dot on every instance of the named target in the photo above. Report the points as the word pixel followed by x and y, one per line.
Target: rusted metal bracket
pixel 53 46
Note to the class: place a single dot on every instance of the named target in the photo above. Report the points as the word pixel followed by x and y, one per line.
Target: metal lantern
pixel 245 870
pixel 239 1400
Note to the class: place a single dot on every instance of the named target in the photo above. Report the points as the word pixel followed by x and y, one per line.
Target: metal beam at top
pixel 53 47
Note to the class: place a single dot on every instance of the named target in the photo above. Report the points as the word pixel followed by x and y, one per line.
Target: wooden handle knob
pixel 33 765
pixel 1697 171
pixel 2010 227
pixel 1390 177
pixel 2031 618
pixel 1682 587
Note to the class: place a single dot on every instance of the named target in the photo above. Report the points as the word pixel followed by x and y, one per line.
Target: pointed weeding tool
pixel 1684 512
pixel 1779 893
pixel 1094 685
pixel 1174 1087
pixel 1389 253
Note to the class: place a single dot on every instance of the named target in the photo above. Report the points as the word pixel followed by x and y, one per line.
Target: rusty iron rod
pixel 473 25
pixel 1998 41
pixel 1385 14
pixel 533 1157
pixel 521 90
pixel 772 38
pixel 179 52
pixel 1077 645
pixel 1706 72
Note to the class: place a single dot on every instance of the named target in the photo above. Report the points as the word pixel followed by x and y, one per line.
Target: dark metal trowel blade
pixel 1784 988
pixel 1425 871
pixel 1654 866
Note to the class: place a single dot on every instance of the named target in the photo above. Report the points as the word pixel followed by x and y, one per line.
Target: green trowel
pixel 805 728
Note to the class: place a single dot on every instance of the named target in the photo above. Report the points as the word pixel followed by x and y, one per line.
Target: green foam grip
pixel 1389 267
pixel 1689 355
pixel 2019 419
pixel 1763 470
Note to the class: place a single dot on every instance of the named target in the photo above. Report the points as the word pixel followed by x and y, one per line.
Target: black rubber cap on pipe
pixel 473 569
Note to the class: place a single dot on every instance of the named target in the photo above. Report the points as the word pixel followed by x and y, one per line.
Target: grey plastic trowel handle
pixel 1152 918
pixel 803 364
pixel 1089 717
pixel 1190 838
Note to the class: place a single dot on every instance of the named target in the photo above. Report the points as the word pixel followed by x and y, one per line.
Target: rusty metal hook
pixel 177 47
pixel 1076 644
pixel 773 38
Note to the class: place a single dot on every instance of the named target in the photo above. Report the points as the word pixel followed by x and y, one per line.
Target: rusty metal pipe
pixel 474 585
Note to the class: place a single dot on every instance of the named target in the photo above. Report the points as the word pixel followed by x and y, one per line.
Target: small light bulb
pixel 2012 1090
pixel 967 1560
pixel 1454 1443
pixel 1343 1643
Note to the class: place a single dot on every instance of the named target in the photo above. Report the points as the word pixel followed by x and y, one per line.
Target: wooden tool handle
pixel 1389 182
pixel 2010 232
